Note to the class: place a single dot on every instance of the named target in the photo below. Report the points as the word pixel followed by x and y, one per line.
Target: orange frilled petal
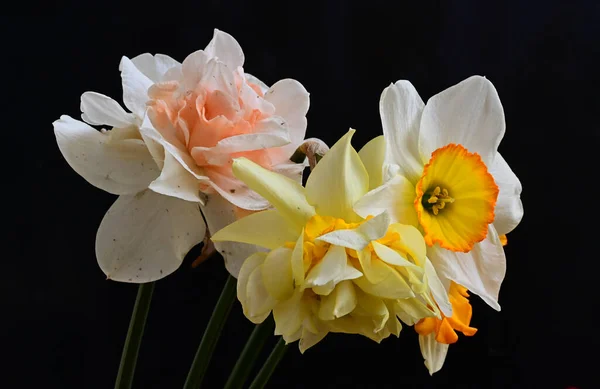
pixel 426 326
pixel 463 222
pixel 446 327
pixel 503 240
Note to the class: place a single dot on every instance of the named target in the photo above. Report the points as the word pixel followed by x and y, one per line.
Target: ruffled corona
pixel 456 197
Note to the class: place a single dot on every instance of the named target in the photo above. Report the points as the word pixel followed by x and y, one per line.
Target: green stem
pixel 250 353
pixel 134 336
pixel 269 367
pixel 211 335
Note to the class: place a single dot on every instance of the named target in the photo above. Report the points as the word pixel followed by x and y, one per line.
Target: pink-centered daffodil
pixel 444 175
pixel 172 152
pixel 328 269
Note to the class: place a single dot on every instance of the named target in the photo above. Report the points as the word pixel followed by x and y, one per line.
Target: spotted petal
pixel 145 237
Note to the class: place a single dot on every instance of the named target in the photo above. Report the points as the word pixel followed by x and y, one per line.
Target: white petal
pixel 120 167
pixel 154 66
pixel 268 229
pixel 291 101
pixel 509 208
pixel 176 181
pixel 254 80
pixel 468 113
pixel 400 108
pixel 145 237
pixel 338 181
pixel 99 109
pixel 481 270
pixel 193 68
pixel 358 238
pixel 226 49
pixel 396 196
pixel 217 76
pixel 372 156
pixel 237 192
pixel 440 294
pixel 135 87
pixel 433 352
pixel 220 213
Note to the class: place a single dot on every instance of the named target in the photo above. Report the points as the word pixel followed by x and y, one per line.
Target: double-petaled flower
pixel 329 269
pixel 174 150
pixel 445 176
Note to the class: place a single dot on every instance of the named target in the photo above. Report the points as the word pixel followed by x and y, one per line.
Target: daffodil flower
pixel 329 269
pixel 173 151
pixel 444 175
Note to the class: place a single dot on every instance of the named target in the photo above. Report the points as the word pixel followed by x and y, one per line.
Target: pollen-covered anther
pixel 436 200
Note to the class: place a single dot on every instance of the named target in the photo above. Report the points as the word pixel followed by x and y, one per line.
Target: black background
pixel 65 324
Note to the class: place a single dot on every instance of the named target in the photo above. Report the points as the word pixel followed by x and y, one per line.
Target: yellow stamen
pixel 436 200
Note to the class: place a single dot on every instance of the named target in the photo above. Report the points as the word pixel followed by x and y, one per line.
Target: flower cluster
pixel 397 233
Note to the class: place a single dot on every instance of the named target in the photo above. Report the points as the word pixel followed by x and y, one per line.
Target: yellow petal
pixel 285 194
pixel 258 301
pixel 251 263
pixel 372 155
pixel 309 339
pixel 265 229
pixel 392 287
pixel 338 303
pixel 411 241
pixel 374 269
pixel 277 273
pixel 392 257
pixel 298 270
pixel 374 308
pixel 411 310
pixel 287 315
pixel 338 181
pixel 330 269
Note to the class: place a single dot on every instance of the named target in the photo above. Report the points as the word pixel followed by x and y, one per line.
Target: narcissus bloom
pixel 329 269
pixel 173 151
pixel 444 175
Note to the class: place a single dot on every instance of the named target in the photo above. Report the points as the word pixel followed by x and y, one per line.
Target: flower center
pixel 435 200
pixel 454 170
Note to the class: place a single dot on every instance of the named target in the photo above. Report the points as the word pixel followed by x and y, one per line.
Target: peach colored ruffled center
pixel 198 119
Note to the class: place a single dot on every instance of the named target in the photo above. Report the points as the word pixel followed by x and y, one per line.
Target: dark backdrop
pixel 65 324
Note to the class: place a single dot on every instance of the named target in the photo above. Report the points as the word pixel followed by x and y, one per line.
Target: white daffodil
pixel 444 174
pixel 328 269
pixel 173 151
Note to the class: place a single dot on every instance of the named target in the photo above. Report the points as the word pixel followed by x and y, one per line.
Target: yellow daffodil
pixel 444 175
pixel 169 157
pixel 329 269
